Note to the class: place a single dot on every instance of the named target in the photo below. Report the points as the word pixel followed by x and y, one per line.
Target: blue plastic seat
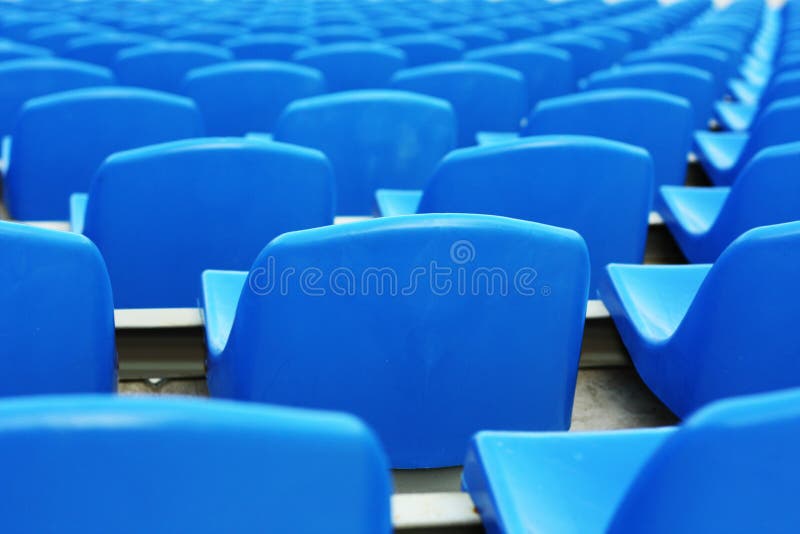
pixel 548 71
pixel 484 96
pixel 101 49
pixel 274 46
pixel 729 468
pixel 12 50
pixel 691 83
pixel 56 36
pixel 723 155
pixel 348 66
pixel 373 139
pixel 658 122
pixel 340 33
pixel 57 314
pixel 705 220
pixel 475 35
pixel 515 179
pixel 696 333
pixel 426 48
pixel 739 116
pixel 400 26
pixel 209 33
pixel 162 65
pixel 716 62
pixel 234 467
pixel 588 53
pixel 248 96
pixel 23 79
pixel 59 141
pixel 403 300
pixel 617 43
pixel 219 201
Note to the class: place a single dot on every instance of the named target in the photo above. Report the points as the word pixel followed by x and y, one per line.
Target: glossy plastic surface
pixel 382 299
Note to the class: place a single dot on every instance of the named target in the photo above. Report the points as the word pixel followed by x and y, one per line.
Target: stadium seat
pixel 348 66
pixel 218 202
pixel 705 220
pixel 57 314
pixel 698 333
pixel 373 139
pixel 23 79
pixel 248 96
pixel 548 71
pixel 47 166
pixel 466 84
pixel 588 53
pixel 12 50
pixel 209 33
pixel 426 48
pixel 341 33
pixel 101 49
pixel 515 179
pixel 271 46
pixel 475 35
pixel 55 36
pixel 723 155
pixel 403 300
pixel 691 83
pixel 728 468
pixel 163 65
pixel 739 116
pixel 227 467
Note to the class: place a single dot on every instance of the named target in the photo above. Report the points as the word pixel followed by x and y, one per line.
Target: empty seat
pixel 373 139
pixel 723 155
pixel 475 35
pixel 231 466
pixel 349 66
pixel 101 49
pixel 697 333
pixel 658 122
pixel 56 36
pixel 209 33
pixel 402 301
pixel 548 71
pixel 13 50
pixel 740 116
pixel 515 179
pixel 400 26
pixel 208 203
pixel 729 468
pixel 588 53
pixel 162 65
pixel 248 96
pixel 426 48
pixel 23 79
pixel 336 33
pixel 47 166
pixel 57 315
pixel 691 83
pixel 716 62
pixel 467 86
pixel 705 220
pixel 275 46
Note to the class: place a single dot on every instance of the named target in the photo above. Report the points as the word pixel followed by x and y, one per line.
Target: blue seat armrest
pixel 495 138
pixel 391 202
pixel 77 211
pixel 221 292
pixel 555 482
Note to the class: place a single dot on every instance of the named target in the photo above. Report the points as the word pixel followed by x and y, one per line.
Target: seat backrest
pixel 353 65
pixel 58 319
pixel 162 65
pixel 56 36
pixel 548 71
pixel 766 192
pixel 603 190
pixel 209 203
pixel 47 166
pixel 618 114
pixel 714 61
pixel 101 49
pixel 248 96
pixel 12 50
pixel 738 335
pixel 691 83
pixel 373 139
pixel 475 35
pixel 484 96
pixel 403 301
pixel 235 465
pixel 784 85
pixel 206 32
pixel 426 48
pixel 273 46
pixel 730 468
pixel 341 33
pixel 775 125
pixel 588 53
pixel 23 79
